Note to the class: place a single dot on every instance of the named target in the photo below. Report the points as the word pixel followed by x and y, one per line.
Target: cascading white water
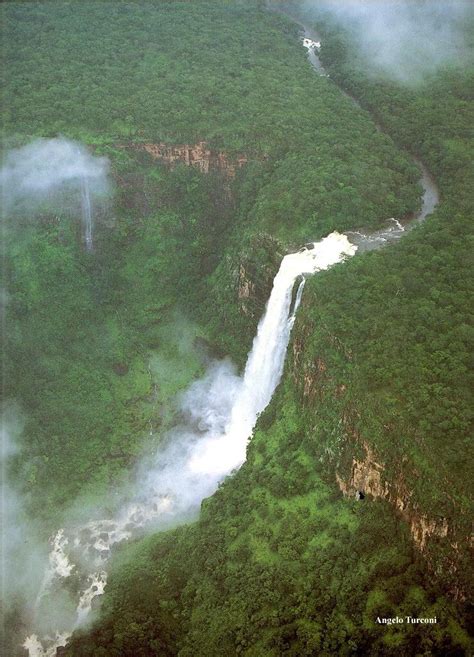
pixel 193 466
pixel 207 457
pixel 265 363
pixel 87 217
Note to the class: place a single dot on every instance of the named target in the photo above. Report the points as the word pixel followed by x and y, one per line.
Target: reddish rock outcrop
pixel 196 155
pixel 368 474
pixel 443 539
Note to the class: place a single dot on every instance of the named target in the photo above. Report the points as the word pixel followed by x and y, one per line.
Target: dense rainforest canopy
pixel 98 345
pixel 171 229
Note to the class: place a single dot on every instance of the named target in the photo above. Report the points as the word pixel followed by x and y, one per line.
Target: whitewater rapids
pixel 195 461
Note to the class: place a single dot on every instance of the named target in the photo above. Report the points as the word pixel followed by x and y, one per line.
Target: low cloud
pixel 46 172
pixel 404 39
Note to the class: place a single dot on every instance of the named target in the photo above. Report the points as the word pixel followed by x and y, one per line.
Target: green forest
pixel 98 346
pixel 167 249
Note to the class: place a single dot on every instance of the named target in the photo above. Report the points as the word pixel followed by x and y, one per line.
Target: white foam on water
pixel 47 647
pixel 224 409
pixel 219 454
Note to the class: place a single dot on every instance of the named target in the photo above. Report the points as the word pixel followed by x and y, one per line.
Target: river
pixel 221 412
pixel 394 229
pixel 214 444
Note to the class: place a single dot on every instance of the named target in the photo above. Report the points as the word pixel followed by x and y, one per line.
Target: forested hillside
pixel 98 344
pixel 410 369
pixel 171 239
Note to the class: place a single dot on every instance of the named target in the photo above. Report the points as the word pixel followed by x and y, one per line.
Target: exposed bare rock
pixel 255 271
pixel 368 474
pixel 440 535
pixel 196 155
pixel 246 289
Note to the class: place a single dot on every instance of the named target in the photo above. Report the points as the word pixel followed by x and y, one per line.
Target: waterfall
pixel 197 459
pixel 86 207
pixel 266 359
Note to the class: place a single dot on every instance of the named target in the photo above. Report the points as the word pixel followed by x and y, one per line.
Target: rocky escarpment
pixel 241 286
pixel 433 535
pixel 443 539
pixel 258 264
pixel 352 456
pixel 366 474
pixel 198 155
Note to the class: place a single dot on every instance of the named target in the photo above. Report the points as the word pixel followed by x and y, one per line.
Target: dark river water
pixel 84 550
pixel 394 229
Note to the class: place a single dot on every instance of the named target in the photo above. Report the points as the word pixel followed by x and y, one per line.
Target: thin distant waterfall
pixel 196 461
pixel 87 216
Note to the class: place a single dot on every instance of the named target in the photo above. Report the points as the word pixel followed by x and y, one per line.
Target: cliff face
pixel 367 474
pixel 258 264
pixel 196 155
pixel 443 538
pixel 246 289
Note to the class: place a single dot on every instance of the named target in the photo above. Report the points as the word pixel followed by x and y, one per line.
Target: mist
pixel 217 415
pixel 406 40
pixel 55 176
pixel 21 548
pixel 167 491
pixel 205 409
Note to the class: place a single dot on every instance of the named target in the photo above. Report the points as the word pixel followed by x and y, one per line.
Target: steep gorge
pixel 442 537
pixel 281 563
pixel 441 534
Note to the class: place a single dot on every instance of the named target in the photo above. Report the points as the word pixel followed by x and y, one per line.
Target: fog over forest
pixel 404 39
pixel 236 310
